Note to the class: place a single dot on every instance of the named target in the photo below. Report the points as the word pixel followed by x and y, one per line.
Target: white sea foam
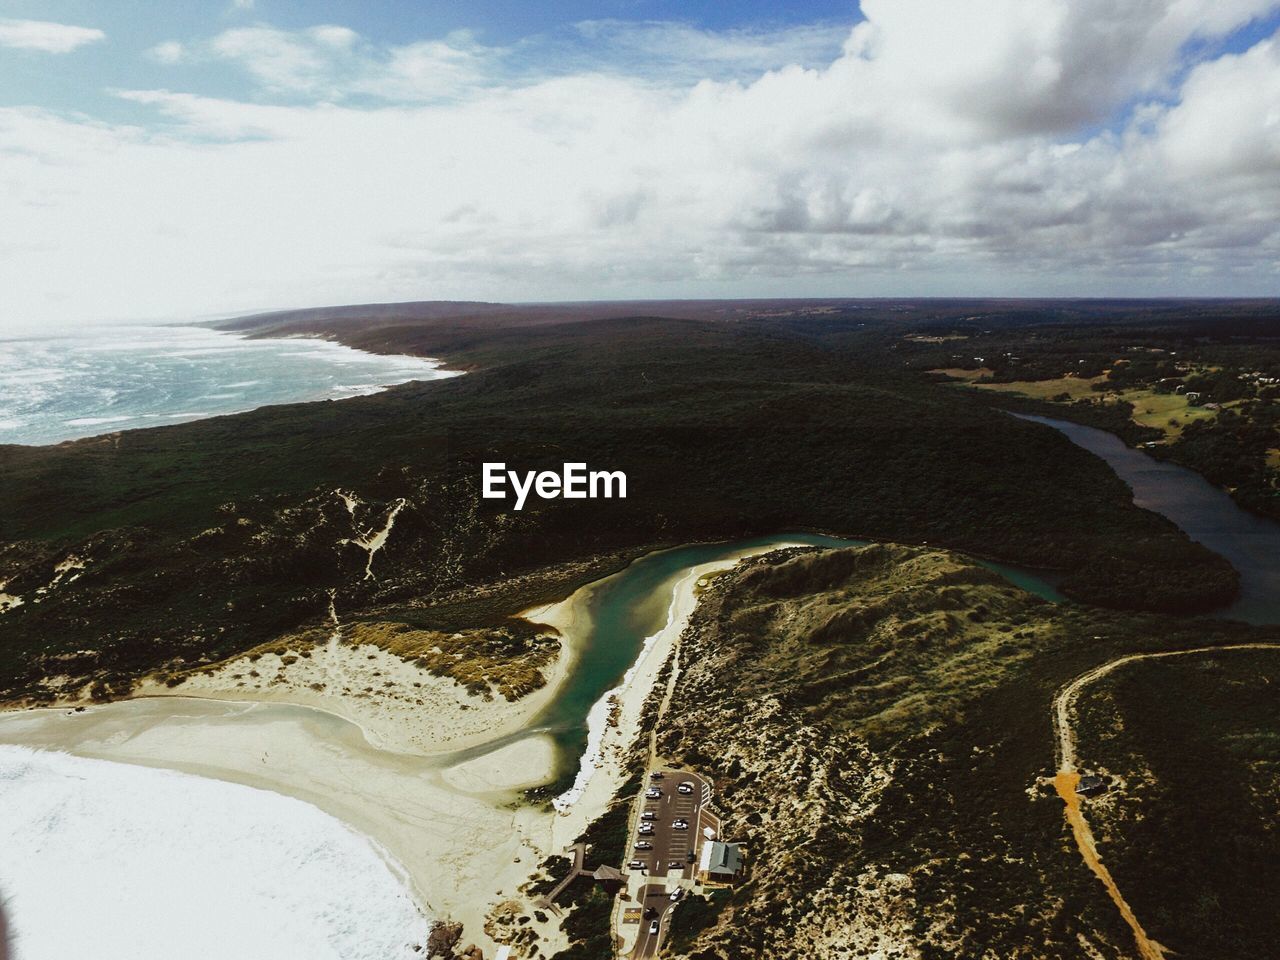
pixel 66 387
pixel 94 421
pixel 598 717
pixel 118 862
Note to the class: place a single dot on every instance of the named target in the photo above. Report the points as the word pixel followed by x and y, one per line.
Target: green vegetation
pixel 207 539
pixel 1190 833
pixel 588 924
pixel 691 916
pixel 509 658
pixel 877 721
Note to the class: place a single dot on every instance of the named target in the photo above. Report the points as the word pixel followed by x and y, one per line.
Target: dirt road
pixel 1067 778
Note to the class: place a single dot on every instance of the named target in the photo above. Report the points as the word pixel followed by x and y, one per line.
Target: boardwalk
pixel 579 851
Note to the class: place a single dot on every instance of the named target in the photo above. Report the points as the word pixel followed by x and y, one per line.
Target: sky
pixel 174 161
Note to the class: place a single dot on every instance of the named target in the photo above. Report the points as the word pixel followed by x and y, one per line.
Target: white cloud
pixel 1031 65
pixel 1228 122
pixel 429 70
pixel 333 63
pixel 905 165
pixel 45 36
pixel 168 52
pixel 279 59
pixel 679 50
pixel 333 37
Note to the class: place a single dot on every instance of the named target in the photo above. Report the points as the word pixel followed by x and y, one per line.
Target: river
pixel 1205 513
pixel 632 605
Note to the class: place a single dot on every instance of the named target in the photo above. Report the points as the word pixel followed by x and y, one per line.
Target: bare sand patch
pixel 527 762
pixel 400 706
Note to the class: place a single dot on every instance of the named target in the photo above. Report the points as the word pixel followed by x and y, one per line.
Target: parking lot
pixel 667 857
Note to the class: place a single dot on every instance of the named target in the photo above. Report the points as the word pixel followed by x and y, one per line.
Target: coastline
pixel 204 371
pixel 152 862
pixel 460 852
pixel 454 827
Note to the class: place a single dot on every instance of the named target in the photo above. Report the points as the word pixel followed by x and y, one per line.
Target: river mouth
pixel 435 819
pixel 625 609
pixel 617 615
pixel 1251 544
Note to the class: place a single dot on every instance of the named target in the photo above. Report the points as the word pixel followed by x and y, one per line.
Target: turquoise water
pixel 55 388
pixel 1043 583
pixel 627 608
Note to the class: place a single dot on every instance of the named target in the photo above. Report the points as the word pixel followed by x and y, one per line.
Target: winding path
pixel 1067 778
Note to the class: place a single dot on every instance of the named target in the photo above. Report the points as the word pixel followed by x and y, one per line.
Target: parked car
pixel 653 793
pixel 649 815
pixel 656 775
pixel 650 913
pixel 686 787
pixel 643 845
pixel 689 856
pixel 681 825
pixel 646 829
pixel 636 864
pixel 674 864
pixel 676 894
pixel 653 928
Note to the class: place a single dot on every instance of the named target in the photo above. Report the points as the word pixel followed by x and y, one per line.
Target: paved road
pixel 654 895
pixel 668 862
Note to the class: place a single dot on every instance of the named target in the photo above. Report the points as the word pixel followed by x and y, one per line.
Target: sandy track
pixel 1068 778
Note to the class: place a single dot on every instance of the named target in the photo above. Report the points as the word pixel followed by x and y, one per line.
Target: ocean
pixel 63 387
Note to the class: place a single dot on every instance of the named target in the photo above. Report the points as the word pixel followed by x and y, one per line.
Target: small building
pixel 1091 785
pixel 720 862
pixel 611 878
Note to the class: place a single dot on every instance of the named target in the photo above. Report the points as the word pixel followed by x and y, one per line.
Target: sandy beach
pixel 384 765
pixel 462 853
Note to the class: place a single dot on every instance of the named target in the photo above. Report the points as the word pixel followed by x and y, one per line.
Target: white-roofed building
pixel 720 862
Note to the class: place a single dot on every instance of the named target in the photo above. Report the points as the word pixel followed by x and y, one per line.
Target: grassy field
pixel 1074 388
pixel 1228 354
pixel 1167 412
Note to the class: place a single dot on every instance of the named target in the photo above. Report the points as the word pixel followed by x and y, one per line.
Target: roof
pixel 606 872
pixel 1091 783
pixel 720 857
